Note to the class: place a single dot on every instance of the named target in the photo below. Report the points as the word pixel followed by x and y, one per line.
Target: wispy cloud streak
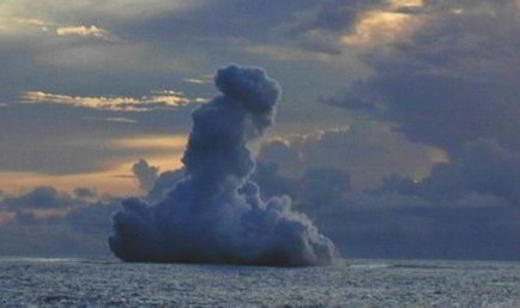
pixel 156 100
pixel 84 31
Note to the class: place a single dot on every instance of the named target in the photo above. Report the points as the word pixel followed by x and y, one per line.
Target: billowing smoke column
pixel 215 213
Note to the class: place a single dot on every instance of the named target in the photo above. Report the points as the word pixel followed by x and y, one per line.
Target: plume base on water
pixel 215 214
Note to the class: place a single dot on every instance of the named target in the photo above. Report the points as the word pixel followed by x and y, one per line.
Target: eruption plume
pixel 215 213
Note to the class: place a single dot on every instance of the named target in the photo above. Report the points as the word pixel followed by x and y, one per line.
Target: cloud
pixel 340 28
pixel 324 185
pixel 117 9
pixel 203 79
pixel 466 208
pixel 84 31
pixel 11 25
pixel 379 27
pixel 367 150
pixel 393 226
pixel 482 168
pixel 85 193
pixel 63 40
pixel 146 174
pixel 77 228
pixel 449 85
pixel 317 28
pixel 158 100
pixel 123 120
pixel 93 219
pixel 44 197
pixel 164 183
pixel 450 214
pixel 440 87
pixel 452 82
pixel 453 213
pixel 83 148
pixel 16 24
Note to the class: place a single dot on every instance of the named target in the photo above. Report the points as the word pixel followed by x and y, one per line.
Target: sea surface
pixel 43 282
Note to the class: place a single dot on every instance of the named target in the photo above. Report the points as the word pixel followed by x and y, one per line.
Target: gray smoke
pixel 215 214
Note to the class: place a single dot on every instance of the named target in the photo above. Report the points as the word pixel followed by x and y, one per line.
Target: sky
pixel 397 131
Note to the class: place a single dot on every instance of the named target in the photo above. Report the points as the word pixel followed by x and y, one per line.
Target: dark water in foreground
pixel 32 282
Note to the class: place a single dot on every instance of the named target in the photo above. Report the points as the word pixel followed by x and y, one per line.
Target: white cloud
pixel 91 31
pixel 27 24
pixel 113 119
pixel 201 100
pixel 80 17
pixel 406 3
pixel 157 100
pixel 121 120
pixel 204 79
pixel 12 25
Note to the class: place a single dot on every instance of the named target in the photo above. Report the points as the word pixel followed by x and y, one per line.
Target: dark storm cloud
pixel 318 28
pixel 453 216
pixel 481 168
pixel 453 82
pixel 79 224
pixel 466 208
pixel 452 86
pixel 221 18
pixel 44 197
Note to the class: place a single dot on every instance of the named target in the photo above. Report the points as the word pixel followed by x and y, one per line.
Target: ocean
pixel 54 282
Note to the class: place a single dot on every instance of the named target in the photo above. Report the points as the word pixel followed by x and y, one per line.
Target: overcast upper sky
pixel 413 99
